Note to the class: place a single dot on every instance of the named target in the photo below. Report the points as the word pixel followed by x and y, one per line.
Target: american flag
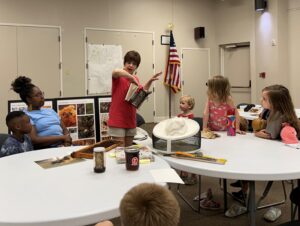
pixel 172 73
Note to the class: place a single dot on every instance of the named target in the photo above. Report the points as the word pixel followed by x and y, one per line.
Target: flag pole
pixel 169 101
pixel 170 25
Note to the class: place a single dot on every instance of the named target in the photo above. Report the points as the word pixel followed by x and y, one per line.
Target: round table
pixel 66 195
pixel 248 158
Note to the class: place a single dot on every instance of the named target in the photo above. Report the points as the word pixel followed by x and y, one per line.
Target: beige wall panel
pixel 38 57
pixel 235 24
pixel 195 83
pixel 141 42
pixel 74 15
pixel 8 65
pixel 294 55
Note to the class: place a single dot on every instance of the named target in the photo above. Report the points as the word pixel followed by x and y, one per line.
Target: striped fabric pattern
pixel 172 74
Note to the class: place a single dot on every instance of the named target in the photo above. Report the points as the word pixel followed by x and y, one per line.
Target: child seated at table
pixel 277 100
pixel 19 124
pixel 217 105
pixel 186 106
pixel 148 205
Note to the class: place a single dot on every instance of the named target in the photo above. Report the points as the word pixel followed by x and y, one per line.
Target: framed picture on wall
pixel 165 39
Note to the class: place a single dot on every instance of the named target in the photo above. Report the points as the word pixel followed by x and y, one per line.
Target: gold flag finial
pixel 170 26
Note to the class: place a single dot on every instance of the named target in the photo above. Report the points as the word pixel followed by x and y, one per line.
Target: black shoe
pixel 239 196
pixel 236 184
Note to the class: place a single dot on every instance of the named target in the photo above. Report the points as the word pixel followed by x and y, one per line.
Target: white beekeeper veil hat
pixel 176 128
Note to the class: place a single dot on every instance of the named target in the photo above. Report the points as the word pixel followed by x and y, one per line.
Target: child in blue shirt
pixel 19 123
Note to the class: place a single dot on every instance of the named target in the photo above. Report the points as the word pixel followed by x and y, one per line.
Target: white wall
pixel 294 49
pixel 224 21
pixel 74 15
pixel 271 45
pixel 235 23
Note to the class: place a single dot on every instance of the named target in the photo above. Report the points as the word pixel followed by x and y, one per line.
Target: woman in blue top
pixel 48 130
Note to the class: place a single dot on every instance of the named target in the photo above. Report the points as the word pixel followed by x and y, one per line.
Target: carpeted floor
pixel 217 218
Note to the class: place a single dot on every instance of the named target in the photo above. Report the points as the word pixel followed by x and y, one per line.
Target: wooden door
pixel 139 41
pixel 195 84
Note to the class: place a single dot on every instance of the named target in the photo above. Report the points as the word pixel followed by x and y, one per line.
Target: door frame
pixel 60 45
pixel 181 68
pixel 86 29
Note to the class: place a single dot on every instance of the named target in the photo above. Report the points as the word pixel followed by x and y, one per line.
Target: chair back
pixel 295 196
pixel 200 122
pixel 139 120
pixel 3 137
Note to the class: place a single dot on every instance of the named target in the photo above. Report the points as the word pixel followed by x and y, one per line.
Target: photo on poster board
pixel 104 105
pixel 21 106
pixel 78 116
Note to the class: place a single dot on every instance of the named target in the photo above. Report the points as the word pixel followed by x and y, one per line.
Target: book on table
pixel 136 95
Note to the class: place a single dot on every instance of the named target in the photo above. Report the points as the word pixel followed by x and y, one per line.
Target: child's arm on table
pixel 263 134
pixel 205 116
pixel 237 116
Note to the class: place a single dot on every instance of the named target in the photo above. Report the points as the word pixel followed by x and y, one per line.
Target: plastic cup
pixel 132 156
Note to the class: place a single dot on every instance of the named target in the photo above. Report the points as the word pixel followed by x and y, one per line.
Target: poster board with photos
pixel 21 106
pixel 78 115
pixel 85 117
pixel 104 105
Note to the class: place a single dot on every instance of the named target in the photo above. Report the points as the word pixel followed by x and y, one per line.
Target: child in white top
pixel 186 106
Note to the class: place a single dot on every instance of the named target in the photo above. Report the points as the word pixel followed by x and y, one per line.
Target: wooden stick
pixel 87 152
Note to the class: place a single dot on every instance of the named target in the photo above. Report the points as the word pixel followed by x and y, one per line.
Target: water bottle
pixel 231 122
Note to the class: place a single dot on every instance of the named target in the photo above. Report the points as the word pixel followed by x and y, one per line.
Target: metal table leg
pixel 252 206
pixel 225 194
pixel 185 199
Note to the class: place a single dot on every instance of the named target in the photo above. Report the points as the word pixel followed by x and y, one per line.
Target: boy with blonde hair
pixel 187 104
pixel 148 205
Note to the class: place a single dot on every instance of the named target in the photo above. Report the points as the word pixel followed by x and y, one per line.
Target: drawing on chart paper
pixel 102 60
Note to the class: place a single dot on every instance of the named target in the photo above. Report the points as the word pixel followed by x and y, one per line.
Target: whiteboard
pixel 102 60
